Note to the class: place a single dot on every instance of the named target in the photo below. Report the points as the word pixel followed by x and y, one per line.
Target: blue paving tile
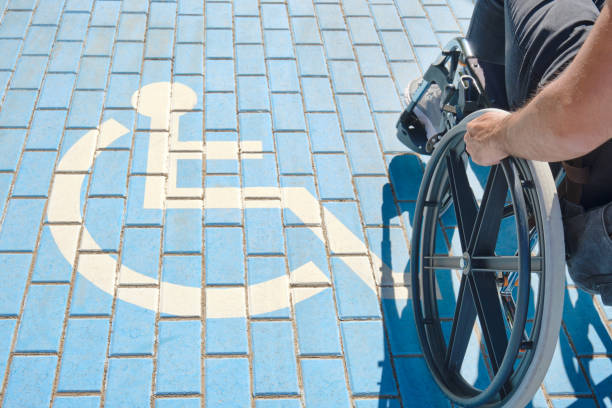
pixel 82 366
pixel 103 220
pixel 420 31
pixel 330 17
pixel 564 375
pixel 79 5
pixel 136 5
pixel 405 172
pixel 399 321
pixel 261 270
pixel 99 41
pixel 224 256
pixel 338 45
pixel 264 231
pixel 43 318
pixel 183 232
pixel 248 30
pixel 345 77
pixel 110 172
pixel 317 326
pixel 375 403
pixel 162 15
pixel 190 127
pixel 121 89
pixel 334 177
pixel 159 43
pixel 136 214
pixel 278 403
pixel 29 72
pixel 324 132
pixel 274 366
pixel 324 383
pixel 141 247
pixel 246 8
pixel 226 336
pixel 10 53
pixel 300 8
pixel 17 108
pixel 363 31
pixel 287 112
pixel 303 246
pixel 50 265
pixel 364 154
pixel 278 44
pixel 404 73
pixel 188 173
pixel 274 16
pixel 46 130
pixel 14 283
pixel 253 94
pixel 6 180
pixel 30 381
pixel 396 45
pixel 129 382
pixel 356 8
pixel 56 91
pixel 156 71
pixel 220 76
pixel 221 166
pixel 599 370
pixel 372 60
pixel 219 44
pixel 76 402
pixel 65 57
pixel 250 60
pixel 177 403
pixel 367 358
pixel 4 80
pixel 227 382
pixel 387 133
pixel 382 94
pixel 220 111
pixel 411 8
pixel 7 328
pixel 293 153
pixel 376 200
pixel 462 8
pixel 133 329
pixel 85 109
pixel 355 299
pixel 73 26
pixel 257 127
pixel 305 30
pixel 386 17
pixel 105 13
pixel 132 27
pixel 283 76
pixel 20 227
pixel 189 29
pixel 413 375
pixel 196 83
pixel 190 7
pixel 88 299
pixel 318 95
pixel 218 15
pixel 189 59
pixel 223 216
pixel 34 174
pixel 11 143
pixel 261 172
pixel 426 55
pixel 584 325
pixel 93 73
pixel 39 40
pixel 48 12
pixel 311 60
pixel 182 270
pixel 178 357
pixel 441 18
pixel 15 24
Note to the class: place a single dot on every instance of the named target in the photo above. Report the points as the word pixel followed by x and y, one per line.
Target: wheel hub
pixel 466 263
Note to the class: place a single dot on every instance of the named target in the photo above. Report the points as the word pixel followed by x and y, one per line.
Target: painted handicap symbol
pixel 164 103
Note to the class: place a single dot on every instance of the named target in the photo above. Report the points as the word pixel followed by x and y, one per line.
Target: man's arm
pixel 568 118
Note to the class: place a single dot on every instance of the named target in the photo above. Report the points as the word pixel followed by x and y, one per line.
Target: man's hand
pixel 485 138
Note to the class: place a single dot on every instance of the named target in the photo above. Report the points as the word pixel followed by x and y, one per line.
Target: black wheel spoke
pixel 490 315
pixel 503 264
pixel 463 323
pixel 464 202
pixel 486 228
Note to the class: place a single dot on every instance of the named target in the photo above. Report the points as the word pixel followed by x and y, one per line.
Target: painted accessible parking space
pixel 204 204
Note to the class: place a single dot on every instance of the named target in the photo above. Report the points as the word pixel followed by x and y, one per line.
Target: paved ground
pixel 142 267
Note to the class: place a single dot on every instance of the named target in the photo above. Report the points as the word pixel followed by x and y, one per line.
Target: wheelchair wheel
pixel 504 274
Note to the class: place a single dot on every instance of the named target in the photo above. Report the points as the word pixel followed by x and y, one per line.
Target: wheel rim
pixel 477 278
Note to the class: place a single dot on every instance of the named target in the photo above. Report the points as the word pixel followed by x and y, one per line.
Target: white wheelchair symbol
pixel 164 103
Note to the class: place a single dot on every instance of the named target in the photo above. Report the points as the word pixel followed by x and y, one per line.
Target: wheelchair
pixel 505 270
